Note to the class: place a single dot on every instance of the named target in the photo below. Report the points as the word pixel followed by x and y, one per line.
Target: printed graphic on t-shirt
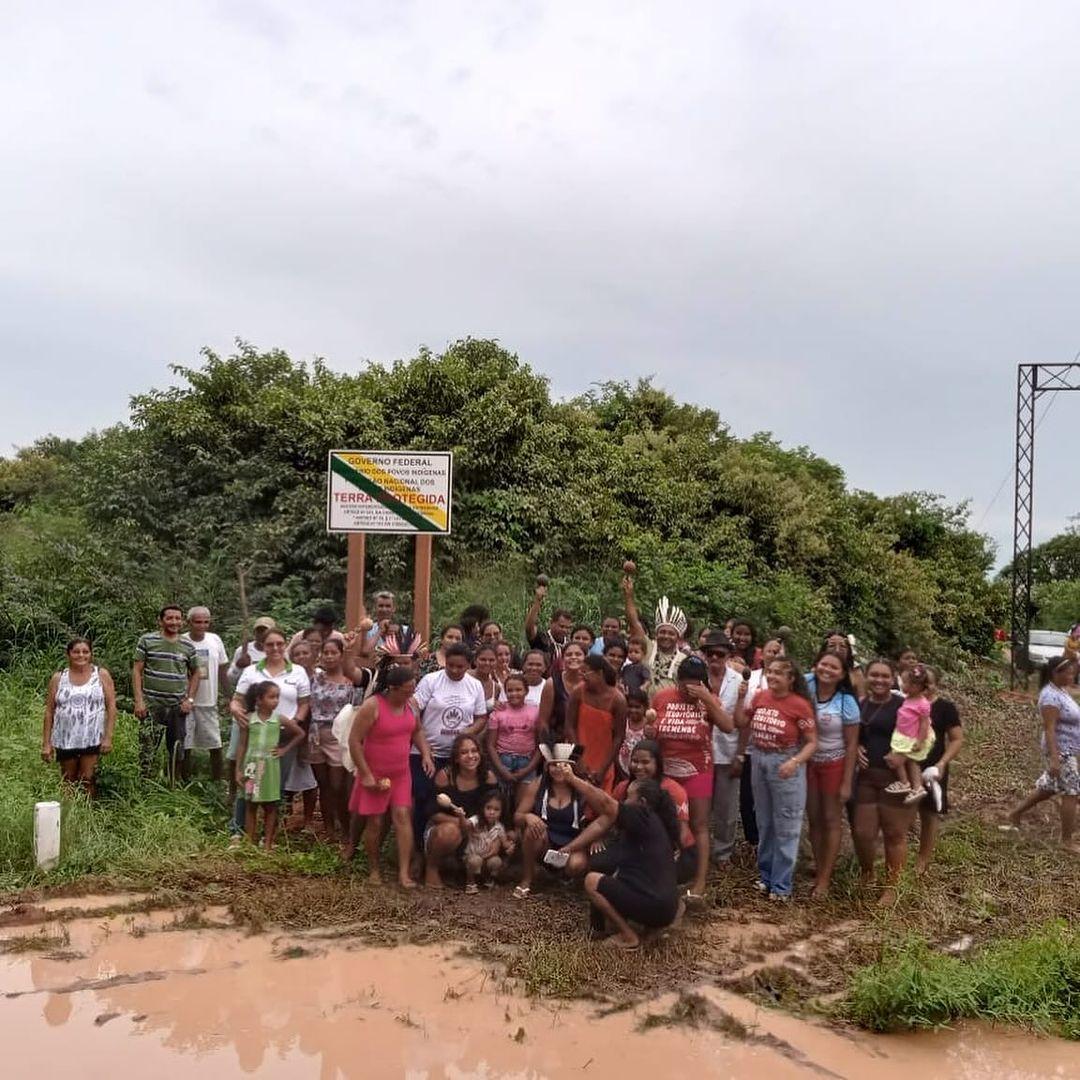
pixel 681 720
pixel 453 718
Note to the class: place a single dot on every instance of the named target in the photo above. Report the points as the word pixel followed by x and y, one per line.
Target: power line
pixel 1011 468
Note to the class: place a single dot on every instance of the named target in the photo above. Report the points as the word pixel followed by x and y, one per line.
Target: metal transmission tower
pixel 1032 381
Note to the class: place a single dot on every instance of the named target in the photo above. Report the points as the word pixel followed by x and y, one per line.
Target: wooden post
pixel 354 580
pixel 422 587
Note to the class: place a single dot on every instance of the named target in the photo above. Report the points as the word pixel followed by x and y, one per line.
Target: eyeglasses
pixel 710 653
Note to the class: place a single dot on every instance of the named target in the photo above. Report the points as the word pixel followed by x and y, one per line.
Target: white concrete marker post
pixel 47 834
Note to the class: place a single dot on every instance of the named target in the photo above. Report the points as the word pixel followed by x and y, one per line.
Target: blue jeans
pixel 423 788
pixel 513 762
pixel 779 806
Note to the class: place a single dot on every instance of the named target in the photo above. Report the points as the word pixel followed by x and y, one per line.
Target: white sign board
pixel 389 491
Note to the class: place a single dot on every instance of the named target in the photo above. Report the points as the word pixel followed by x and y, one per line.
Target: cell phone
pixel 557 859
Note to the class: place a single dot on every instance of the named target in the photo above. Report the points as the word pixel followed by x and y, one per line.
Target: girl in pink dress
pixel 382 733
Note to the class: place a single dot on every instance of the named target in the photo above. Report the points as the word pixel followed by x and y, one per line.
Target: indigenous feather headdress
pixel 393 645
pixel 667 614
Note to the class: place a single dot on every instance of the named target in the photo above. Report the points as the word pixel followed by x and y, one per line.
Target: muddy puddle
pixel 164 992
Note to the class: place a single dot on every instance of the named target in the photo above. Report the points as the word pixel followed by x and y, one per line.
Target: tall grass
pixel 132 831
pixel 1031 981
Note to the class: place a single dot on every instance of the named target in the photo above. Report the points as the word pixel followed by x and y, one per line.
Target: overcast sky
pixel 842 222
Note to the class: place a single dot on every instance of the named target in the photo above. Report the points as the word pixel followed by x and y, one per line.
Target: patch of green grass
pixel 1031 981
pixel 130 833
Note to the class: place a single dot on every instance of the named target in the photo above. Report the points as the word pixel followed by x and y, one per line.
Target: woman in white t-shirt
pixel 292 683
pixel 449 703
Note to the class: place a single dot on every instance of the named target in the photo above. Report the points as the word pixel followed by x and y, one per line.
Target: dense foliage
pixel 229 467
pixel 1055 580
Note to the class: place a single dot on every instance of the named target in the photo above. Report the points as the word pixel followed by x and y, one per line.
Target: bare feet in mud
pixel 407 883
pixel 432 879
pixel 819 892
pixel 348 850
pixel 374 876
pixel 887 898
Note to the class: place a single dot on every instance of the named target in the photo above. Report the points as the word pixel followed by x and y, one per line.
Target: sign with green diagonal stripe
pixel 389 491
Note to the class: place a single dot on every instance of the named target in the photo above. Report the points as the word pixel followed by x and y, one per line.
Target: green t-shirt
pixel 167 664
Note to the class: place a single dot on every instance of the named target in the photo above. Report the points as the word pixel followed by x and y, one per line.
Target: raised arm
pixel 598 800
pixel 533 614
pixel 633 620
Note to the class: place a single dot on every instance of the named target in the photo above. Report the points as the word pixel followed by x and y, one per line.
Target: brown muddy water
pixel 94 994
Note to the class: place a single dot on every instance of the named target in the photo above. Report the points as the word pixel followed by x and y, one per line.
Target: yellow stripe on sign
pixel 397 487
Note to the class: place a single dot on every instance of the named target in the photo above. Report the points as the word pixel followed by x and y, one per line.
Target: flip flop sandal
pixel 897 788
pixel 521 892
pixel 694 897
pixel 914 796
pixel 471 889
pixel 1008 828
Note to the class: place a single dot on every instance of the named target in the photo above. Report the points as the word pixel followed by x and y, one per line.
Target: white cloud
pixel 837 221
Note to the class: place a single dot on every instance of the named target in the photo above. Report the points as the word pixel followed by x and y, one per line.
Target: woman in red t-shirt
pixel 685 715
pixel 783 734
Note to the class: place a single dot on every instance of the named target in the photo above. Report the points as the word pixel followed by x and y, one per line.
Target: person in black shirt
pixel 643 887
pixel 554 638
pixel 948 739
pixel 877 812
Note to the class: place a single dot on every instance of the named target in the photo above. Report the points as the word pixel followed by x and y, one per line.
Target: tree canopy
pixel 229 466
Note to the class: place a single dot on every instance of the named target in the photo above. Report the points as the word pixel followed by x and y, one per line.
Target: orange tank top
pixel 594 733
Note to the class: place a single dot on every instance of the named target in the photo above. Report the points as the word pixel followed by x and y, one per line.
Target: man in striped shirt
pixel 165 678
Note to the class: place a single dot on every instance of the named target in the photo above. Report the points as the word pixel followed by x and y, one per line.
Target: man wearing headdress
pixel 665 653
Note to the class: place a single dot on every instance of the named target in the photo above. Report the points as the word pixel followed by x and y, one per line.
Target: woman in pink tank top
pixel 382 733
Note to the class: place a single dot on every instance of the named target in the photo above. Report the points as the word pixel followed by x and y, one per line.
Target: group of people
pixel 625 758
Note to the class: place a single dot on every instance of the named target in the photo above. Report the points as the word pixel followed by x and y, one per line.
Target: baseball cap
pixel 265 620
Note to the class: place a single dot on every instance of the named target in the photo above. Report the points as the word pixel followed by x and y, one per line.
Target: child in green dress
pixel 258 770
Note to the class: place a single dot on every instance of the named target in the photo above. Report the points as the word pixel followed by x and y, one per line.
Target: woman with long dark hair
pixel 461 787
pixel 551 820
pixel 743 639
pixel 383 732
pixel 80 715
pixel 647 763
pixel 831 770
pixel 877 813
pixel 564 682
pixel 783 735
pixel 643 889
pixel 1060 717
pixel 596 721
